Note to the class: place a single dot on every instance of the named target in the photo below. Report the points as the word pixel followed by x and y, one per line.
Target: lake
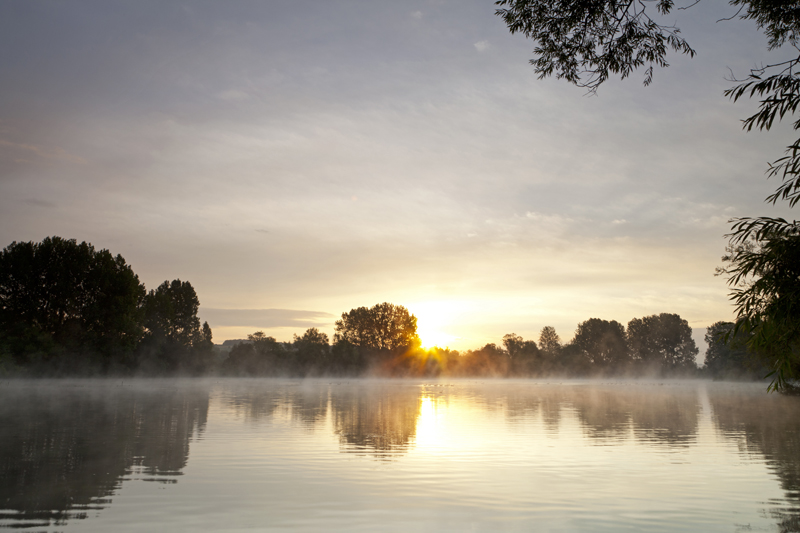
pixel 397 455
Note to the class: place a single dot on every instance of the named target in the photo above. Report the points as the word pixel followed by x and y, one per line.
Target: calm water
pixel 230 455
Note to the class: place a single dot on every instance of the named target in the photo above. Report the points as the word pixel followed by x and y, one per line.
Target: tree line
pixel 585 42
pixel 382 341
pixel 67 308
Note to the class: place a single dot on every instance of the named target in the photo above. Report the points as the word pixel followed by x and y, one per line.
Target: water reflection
pixel 769 427
pixel 305 402
pixel 654 415
pixel 379 420
pixel 66 447
pixel 375 418
pixel 606 412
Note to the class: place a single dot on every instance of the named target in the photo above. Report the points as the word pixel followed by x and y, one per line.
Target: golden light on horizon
pixel 431 338
pixel 433 320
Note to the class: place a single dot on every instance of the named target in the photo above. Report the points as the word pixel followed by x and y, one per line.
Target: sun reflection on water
pixel 430 431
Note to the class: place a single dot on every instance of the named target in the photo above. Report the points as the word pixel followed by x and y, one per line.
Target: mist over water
pixel 397 455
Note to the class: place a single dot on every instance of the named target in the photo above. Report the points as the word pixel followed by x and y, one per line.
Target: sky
pixel 294 160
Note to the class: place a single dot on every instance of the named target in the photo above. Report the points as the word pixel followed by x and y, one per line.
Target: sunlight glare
pixel 433 318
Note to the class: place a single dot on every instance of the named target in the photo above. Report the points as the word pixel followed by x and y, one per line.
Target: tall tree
pixel 491 360
pixel 171 313
pixel 382 327
pixel 727 357
pixel 662 343
pixel 603 343
pixel 261 355
pixel 550 349
pixel 206 337
pixel 525 357
pixel 59 295
pixel 549 341
pixel 173 340
pixel 312 351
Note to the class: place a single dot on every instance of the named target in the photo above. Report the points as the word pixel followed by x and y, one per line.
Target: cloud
pixel 265 318
pixel 280 160
pixel 232 95
pixel 42 153
pixel 40 203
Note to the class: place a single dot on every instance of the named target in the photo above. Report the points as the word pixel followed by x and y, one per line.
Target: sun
pixel 433 321
pixel 431 338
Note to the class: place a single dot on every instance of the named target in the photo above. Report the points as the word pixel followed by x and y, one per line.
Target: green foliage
pixel 382 327
pixel 780 20
pixel 68 308
pixel 727 356
pixel 549 341
pixel 603 344
pixel 59 297
pixel 260 356
pixel 662 344
pixel 763 252
pixel 312 352
pixel 170 313
pixel 764 274
pixel 491 360
pixel 347 359
pixel 206 337
pixel 780 96
pixel 586 41
pixel 572 361
pixel 525 357
pixel 173 339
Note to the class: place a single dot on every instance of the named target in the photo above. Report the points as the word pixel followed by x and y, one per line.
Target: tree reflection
pixel 301 401
pixel 65 448
pixel 647 412
pixel 656 414
pixel 768 426
pixel 377 419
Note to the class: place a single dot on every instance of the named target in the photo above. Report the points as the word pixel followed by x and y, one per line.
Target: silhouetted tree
pixel 764 273
pixel 727 356
pixel 312 352
pixel 171 313
pixel 549 341
pixel 382 327
pixel 173 336
pixel 586 41
pixel 206 336
pixel 603 344
pixel 259 356
pixel 491 360
pixel 525 357
pixel 663 344
pixel 203 355
pixel 379 334
pixel 574 362
pixel 60 300
pixel 550 347
pixel 347 359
